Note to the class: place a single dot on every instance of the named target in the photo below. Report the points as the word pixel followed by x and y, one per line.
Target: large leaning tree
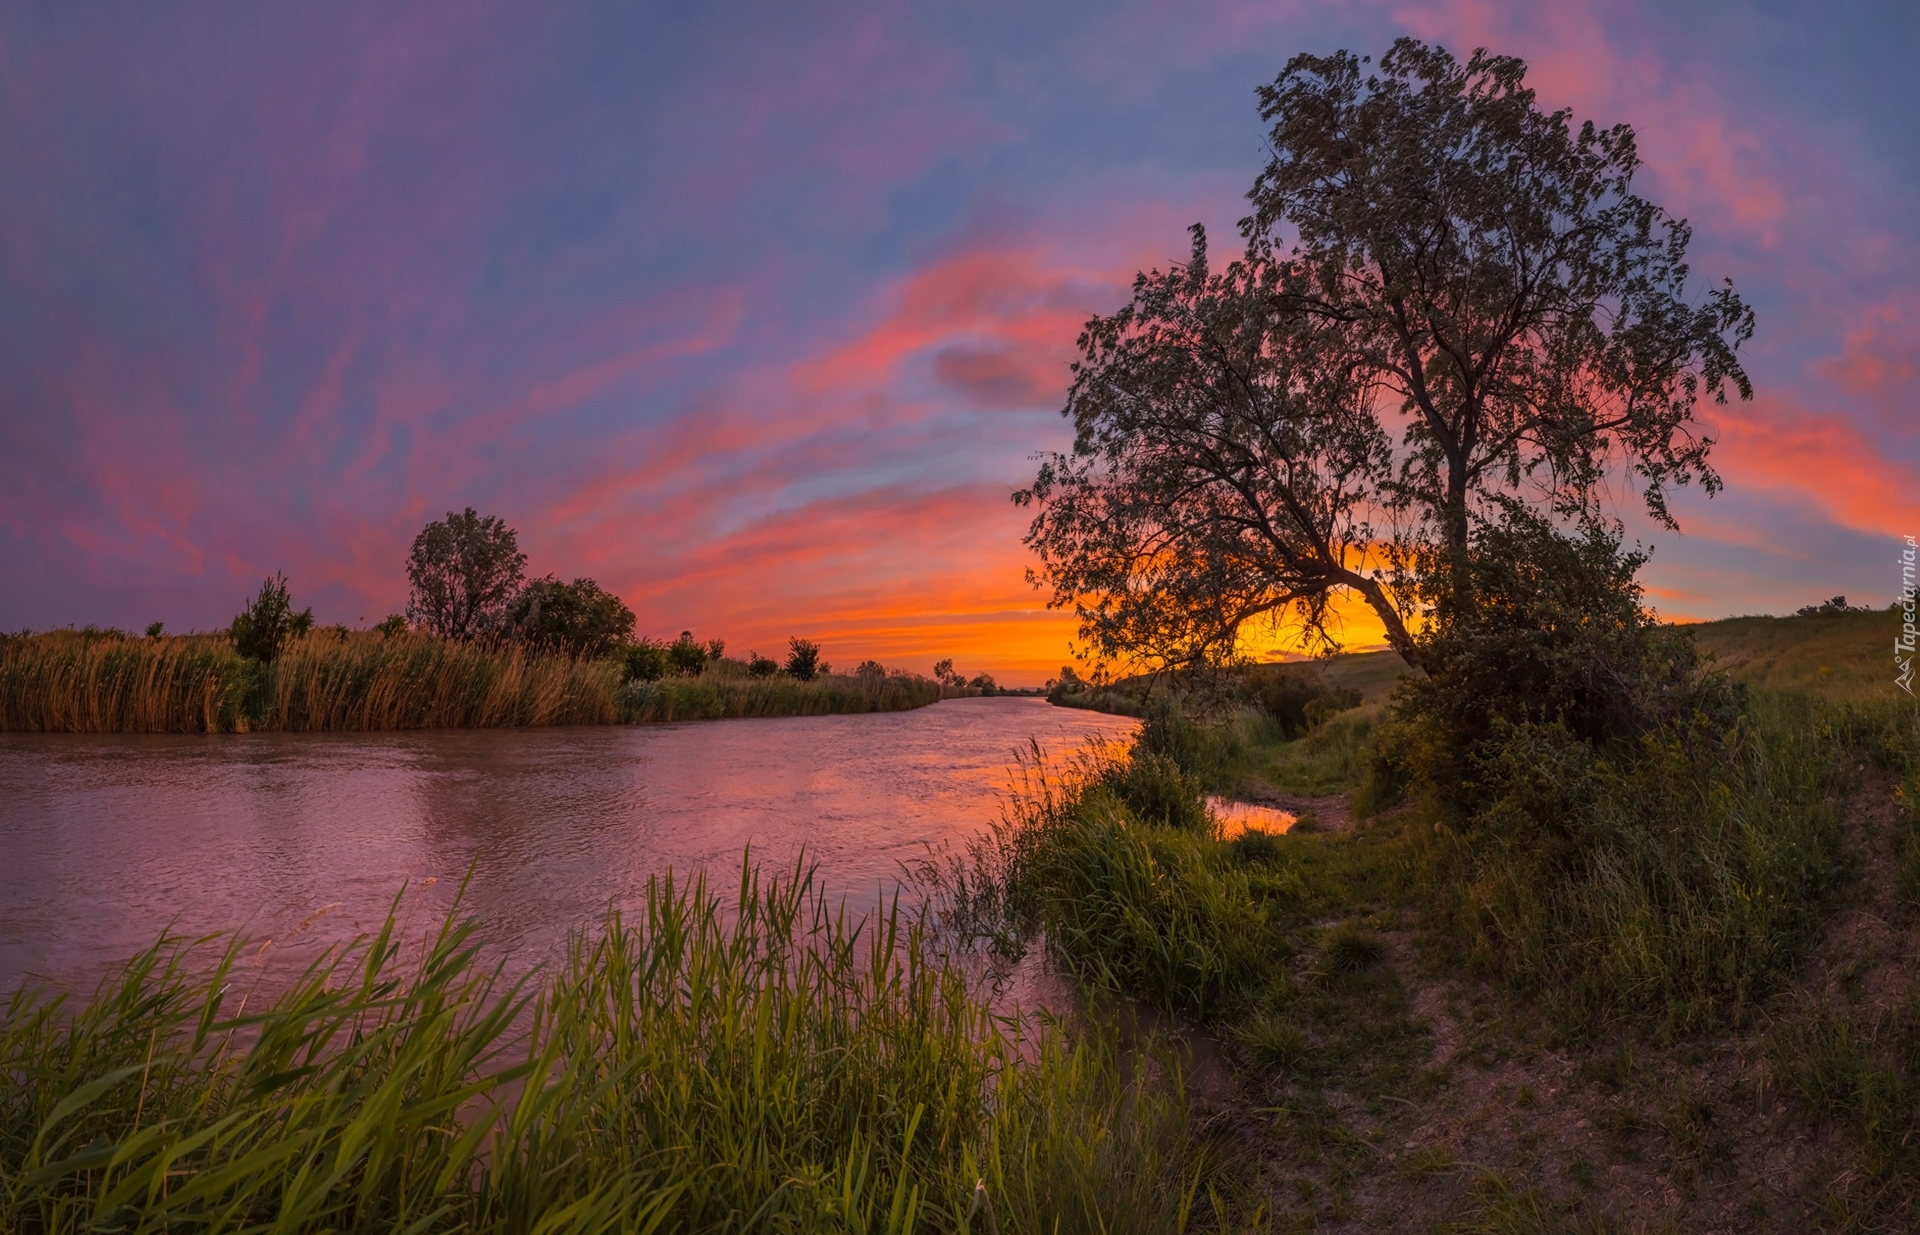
pixel 1449 301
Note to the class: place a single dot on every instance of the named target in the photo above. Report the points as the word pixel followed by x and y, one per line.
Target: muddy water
pixel 303 839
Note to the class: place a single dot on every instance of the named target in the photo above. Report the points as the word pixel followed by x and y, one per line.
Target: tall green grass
pixel 761 1062
pixel 72 682
pixel 1680 878
pixel 719 695
pixel 1114 863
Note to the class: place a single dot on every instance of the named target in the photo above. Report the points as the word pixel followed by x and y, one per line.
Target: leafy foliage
pixel 761 666
pixel 1424 233
pixel 803 659
pixel 263 628
pixel 686 655
pixel 643 660
pixel 577 618
pixel 1555 635
pixel 463 572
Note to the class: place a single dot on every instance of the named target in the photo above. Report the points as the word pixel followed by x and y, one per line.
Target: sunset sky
pixel 756 313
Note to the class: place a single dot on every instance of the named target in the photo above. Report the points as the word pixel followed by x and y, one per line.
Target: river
pixel 301 840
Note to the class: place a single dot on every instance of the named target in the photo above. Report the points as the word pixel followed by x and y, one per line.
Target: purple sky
pixel 755 313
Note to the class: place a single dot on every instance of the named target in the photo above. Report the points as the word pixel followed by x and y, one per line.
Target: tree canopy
pixel 579 618
pixel 463 572
pixel 1448 300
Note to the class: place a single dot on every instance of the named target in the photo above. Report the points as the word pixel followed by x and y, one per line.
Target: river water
pixel 301 840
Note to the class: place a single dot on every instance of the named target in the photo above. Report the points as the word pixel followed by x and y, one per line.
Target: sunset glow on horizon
pixel 758 315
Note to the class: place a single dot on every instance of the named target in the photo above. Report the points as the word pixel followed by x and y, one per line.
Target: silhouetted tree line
pixel 466 579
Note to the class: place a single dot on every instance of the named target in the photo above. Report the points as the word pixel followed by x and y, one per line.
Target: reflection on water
pixel 1237 817
pixel 106 840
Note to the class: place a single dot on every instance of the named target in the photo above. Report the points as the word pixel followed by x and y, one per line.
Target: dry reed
pixel 90 682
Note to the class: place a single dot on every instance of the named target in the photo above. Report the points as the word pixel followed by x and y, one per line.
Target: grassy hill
pixel 1829 656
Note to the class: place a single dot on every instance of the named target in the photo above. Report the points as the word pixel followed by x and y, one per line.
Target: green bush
pixel 643 660
pixel 1145 910
pixel 1678 880
pixel 686 655
pixel 576 619
pixel 803 659
pixel 1550 630
pixel 265 625
pixel 1158 792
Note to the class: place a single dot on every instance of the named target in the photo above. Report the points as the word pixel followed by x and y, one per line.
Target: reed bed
pixel 89 682
pixel 68 682
pixel 361 682
pixel 716 696
pixel 756 1062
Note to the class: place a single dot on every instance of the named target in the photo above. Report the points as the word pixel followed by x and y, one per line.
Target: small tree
pixel 644 660
pixel 944 674
pixel 686 655
pixel 392 626
pixel 870 672
pixel 984 683
pixel 463 571
pixel 577 618
pixel 263 628
pixel 156 629
pixel 803 659
pixel 761 666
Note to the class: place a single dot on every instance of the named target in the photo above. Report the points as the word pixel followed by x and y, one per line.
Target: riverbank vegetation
pixel 336 680
pixel 1666 981
pixel 759 1061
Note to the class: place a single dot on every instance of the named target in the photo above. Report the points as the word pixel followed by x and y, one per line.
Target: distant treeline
pixel 334 679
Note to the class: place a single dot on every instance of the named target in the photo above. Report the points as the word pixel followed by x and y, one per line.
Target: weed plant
pixel 761 1062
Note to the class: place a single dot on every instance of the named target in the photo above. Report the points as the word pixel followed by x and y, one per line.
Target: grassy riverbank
pixel 82 682
pixel 1671 985
pixel 759 1061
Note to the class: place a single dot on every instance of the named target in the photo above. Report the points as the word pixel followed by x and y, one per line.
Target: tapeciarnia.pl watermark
pixel 1903 643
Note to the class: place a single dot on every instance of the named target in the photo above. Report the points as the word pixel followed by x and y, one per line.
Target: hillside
pixel 1829 656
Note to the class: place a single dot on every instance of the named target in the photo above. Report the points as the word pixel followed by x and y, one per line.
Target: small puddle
pixel 1237 817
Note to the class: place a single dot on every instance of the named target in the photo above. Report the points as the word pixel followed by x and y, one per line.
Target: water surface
pixel 303 839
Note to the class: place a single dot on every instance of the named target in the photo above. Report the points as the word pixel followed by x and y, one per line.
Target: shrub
pixel 643 660
pixel 984 683
pixel 803 659
pixel 576 618
pixel 1141 909
pixel 1296 698
pixel 761 666
pixel 156 629
pixel 262 629
pixel 394 624
pixel 685 655
pixel 1158 791
pixel 1680 879
pixel 1550 632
